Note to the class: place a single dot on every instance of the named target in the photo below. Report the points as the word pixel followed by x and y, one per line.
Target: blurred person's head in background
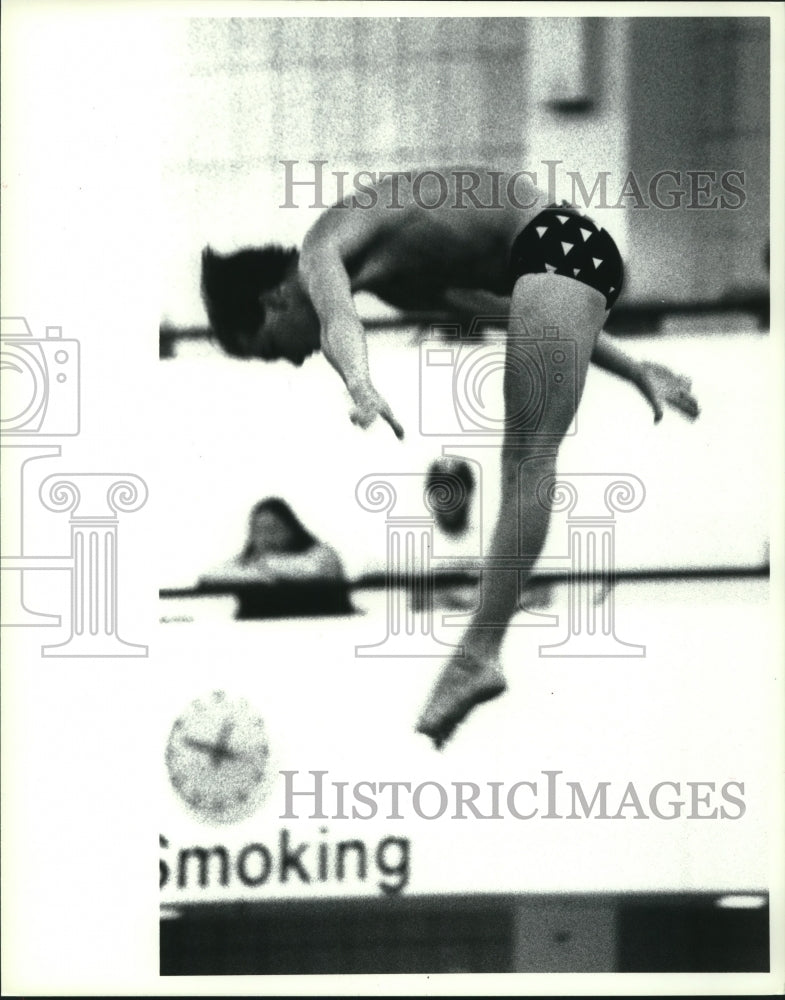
pixel 257 306
pixel 273 527
pixel 449 489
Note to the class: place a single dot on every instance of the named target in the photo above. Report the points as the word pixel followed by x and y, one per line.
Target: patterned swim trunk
pixel 562 241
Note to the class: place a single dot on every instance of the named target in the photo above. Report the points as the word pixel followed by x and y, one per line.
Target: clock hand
pixel 223 737
pixel 197 744
pixel 222 751
pixel 218 752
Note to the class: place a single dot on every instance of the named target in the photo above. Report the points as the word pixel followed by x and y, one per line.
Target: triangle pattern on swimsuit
pixel 563 242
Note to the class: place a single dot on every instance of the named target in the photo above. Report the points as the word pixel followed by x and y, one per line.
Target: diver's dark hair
pixel 231 289
pixel 302 539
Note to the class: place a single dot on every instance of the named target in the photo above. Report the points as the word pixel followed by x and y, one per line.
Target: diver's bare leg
pixel 578 312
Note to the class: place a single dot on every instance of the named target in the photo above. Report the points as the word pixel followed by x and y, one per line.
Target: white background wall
pixel 698 99
pixel 238 431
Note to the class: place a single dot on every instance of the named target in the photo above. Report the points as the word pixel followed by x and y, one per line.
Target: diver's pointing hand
pixel 368 405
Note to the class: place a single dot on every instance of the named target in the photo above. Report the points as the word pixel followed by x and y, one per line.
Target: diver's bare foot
pixel 463 683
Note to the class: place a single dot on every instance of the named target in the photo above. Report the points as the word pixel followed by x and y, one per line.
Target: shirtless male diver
pixel 541 265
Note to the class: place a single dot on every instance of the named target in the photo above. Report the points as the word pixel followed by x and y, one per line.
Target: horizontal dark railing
pixel 323 598
pixel 633 319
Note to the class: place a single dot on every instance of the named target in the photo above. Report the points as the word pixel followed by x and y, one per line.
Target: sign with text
pixel 281 781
